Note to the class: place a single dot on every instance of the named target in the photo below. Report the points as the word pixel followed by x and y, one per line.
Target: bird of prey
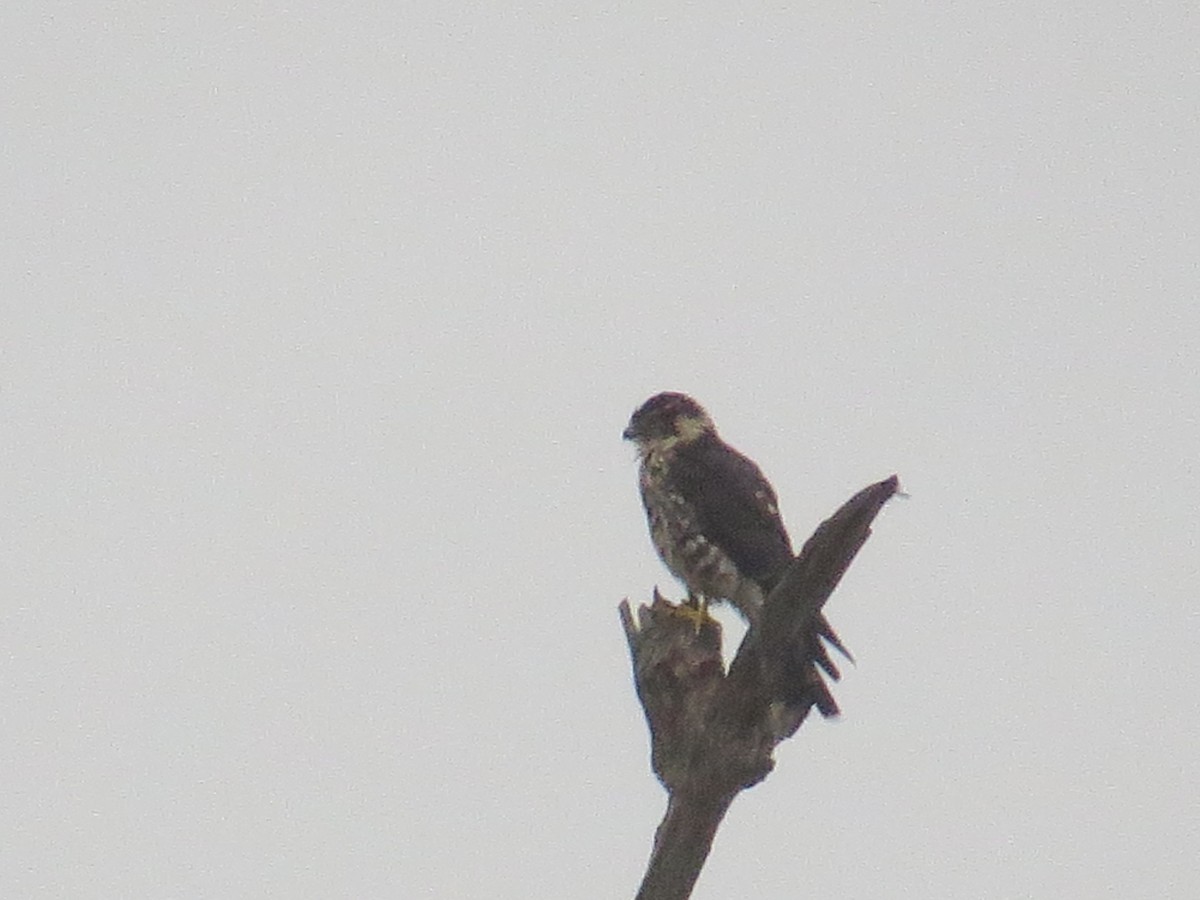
pixel 715 522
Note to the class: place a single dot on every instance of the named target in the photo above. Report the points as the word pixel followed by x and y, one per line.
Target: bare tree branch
pixel 713 733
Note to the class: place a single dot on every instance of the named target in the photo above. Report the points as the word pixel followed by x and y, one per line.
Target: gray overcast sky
pixel 321 326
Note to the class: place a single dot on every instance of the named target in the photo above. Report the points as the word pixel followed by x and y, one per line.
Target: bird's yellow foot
pixel 695 610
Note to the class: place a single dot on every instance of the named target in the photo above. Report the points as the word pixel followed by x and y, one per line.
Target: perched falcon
pixel 715 522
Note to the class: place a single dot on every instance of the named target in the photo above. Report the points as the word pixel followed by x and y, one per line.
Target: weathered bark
pixel 713 732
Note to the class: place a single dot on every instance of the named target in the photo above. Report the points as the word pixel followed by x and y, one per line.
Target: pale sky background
pixel 320 328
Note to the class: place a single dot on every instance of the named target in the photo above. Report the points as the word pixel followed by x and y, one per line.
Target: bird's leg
pixel 695 609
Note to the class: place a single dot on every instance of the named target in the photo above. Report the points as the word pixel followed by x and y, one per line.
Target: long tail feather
pixel 825 630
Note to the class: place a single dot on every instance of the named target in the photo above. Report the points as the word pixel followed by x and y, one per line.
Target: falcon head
pixel 667 419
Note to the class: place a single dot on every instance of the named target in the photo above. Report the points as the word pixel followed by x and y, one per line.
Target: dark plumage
pixel 714 519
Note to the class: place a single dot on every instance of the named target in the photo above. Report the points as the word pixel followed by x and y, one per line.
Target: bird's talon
pixel 695 613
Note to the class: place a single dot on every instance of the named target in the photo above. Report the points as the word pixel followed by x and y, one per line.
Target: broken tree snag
pixel 713 733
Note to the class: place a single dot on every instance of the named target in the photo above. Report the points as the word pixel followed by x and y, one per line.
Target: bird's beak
pixel 629 434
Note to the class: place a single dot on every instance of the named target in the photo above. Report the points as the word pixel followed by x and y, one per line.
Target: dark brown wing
pixel 737 510
pixel 734 506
